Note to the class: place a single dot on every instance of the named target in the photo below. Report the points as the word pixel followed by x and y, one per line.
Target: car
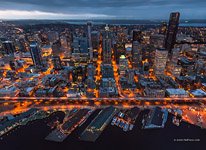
pixel 113 121
pixel 126 127
pixel 121 115
pixel 121 124
pixel 131 126
pixel 117 122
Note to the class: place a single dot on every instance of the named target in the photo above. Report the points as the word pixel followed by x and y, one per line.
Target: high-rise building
pixel 119 49
pixel 136 54
pixel 107 51
pixel 63 41
pixel 80 45
pixel 57 62
pixel 172 31
pixel 172 65
pixel 157 40
pixel 36 54
pixel 146 67
pixel 90 83
pixel 130 76
pixel 53 36
pixel 89 25
pixel 160 61
pixel 123 65
pixel 90 70
pixel 107 47
pixel 107 71
pixel 83 45
pixel 56 47
pixel 175 55
pixel 95 38
pixel 23 45
pixel 163 28
pixel 137 35
pixel 8 47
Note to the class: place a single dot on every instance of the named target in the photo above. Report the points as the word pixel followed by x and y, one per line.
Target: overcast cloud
pixel 97 9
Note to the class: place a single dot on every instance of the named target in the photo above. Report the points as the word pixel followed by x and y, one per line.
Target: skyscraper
pixel 107 47
pixel 107 52
pixel 95 38
pixel 172 31
pixel 53 36
pixel 137 36
pixel 36 54
pixel 123 65
pixel 57 62
pixel 90 70
pixel 172 65
pixel 89 25
pixel 136 54
pixel 160 61
pixel 63 41
pixel 130 76
pixel 83 45
pixel 8 47
pixel 56 47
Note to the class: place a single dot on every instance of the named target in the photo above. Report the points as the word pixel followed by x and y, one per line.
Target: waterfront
pixel 32 137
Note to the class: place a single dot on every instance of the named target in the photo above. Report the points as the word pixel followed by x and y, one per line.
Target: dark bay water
pixel 31 137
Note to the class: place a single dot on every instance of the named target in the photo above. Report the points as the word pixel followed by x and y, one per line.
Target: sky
pixel 101 9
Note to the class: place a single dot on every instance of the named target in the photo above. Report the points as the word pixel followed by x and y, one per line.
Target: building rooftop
pixel 157 117
pixel 172 91
pixel 198 93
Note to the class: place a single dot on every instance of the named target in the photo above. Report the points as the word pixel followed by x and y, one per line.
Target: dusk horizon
pixel 112 9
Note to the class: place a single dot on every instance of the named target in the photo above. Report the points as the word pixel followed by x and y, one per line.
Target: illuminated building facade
pixel 160 61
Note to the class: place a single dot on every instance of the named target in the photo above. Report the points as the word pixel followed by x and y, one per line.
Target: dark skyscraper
pixel 136 54
pixel 57 62
pixel 56 47
pixel 95 37
pixel 89 26
pixel 107 52
pixel 172 31
pixel 8 47
pixel 36 54
pixel 107 47
pixel 137 36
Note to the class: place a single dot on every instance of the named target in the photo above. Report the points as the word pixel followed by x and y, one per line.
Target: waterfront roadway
pixel 105 101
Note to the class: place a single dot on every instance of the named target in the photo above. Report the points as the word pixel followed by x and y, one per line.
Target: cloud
pixel 9 14
pixel 138 9
pixel 103 3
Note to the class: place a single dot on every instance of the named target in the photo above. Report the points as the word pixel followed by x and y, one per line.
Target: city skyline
pixel 101 84
pixel 113 9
